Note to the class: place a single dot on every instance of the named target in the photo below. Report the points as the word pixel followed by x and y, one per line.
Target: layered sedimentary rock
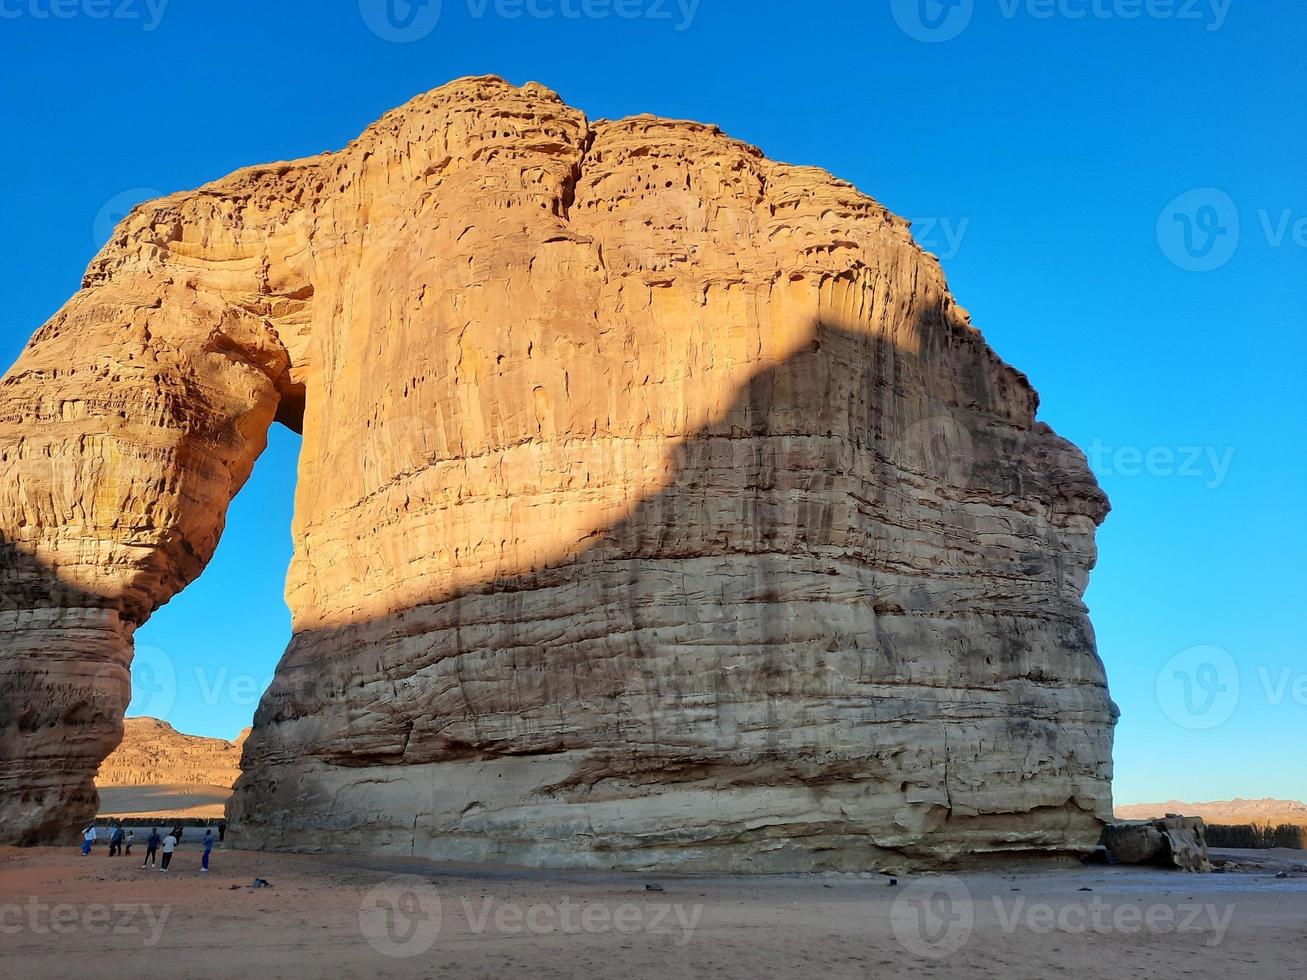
pixel 657 507
pixel 152 752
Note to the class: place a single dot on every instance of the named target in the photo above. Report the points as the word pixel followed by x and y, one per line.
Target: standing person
pixel 88 840
pixel 169 845
pixel 128 841
pixel 116 839
pixel 208 846
pixel 151 847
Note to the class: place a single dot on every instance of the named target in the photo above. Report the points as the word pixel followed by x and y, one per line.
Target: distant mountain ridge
pixel 154 753
pixel 1236 811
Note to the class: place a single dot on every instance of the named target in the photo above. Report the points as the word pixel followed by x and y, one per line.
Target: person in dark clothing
pixel 116 840
pixel 151 847
pixel 208 846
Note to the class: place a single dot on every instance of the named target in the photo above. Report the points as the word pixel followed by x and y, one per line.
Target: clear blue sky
pixel 1041 156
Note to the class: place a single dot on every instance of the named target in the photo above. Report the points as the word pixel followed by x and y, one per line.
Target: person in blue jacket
pixel 208 846
pixel 151 847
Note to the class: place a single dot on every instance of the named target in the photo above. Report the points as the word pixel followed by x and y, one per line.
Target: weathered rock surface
pixel 1134 842
pixel 657 506
pixel 152 753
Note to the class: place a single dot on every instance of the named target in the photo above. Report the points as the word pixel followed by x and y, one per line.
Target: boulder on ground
pixel 1172 841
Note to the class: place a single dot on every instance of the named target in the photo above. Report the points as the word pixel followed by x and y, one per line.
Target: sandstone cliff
pixel 657 506
pixel 152 752
pixel 156 771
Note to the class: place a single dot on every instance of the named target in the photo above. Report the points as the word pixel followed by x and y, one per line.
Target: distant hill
pixel 158 771
pixel 1240 811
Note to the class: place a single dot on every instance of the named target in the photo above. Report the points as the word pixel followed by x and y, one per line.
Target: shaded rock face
pixel 1176 842
pixel 657 507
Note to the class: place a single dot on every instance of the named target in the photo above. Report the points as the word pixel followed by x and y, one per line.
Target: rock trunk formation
pixel 657 507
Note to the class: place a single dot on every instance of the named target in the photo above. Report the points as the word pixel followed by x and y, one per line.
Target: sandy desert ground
pixel 173 799
pixel 353 916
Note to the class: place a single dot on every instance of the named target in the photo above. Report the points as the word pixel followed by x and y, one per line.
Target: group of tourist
pixel 121 841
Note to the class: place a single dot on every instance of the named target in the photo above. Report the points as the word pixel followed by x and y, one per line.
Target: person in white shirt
pixel 169 845
pixel 88 840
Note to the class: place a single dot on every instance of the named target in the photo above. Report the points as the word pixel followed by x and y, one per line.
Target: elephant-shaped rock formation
pixel 657 507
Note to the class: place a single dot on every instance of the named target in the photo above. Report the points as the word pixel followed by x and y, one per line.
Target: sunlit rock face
pixel 657 507
pixel 153 753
